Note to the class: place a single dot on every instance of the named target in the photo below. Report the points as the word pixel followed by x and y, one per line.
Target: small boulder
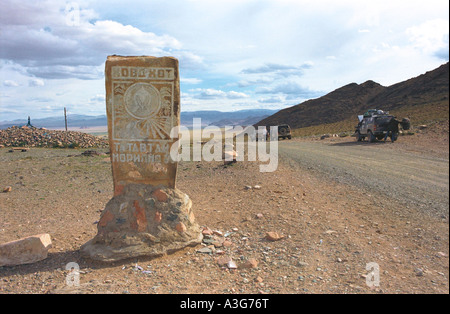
pixel 273 236
pixel 223 260
pixel 7 189
pixel 251 263
pixel 25 251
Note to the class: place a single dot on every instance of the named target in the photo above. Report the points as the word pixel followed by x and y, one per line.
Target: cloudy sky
pixel 234 54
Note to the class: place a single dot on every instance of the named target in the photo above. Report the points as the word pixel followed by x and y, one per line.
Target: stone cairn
pixel 33 137
pixel 147 216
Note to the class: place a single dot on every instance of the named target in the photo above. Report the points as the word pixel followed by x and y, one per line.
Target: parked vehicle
pixel 284 131
pixel 375 124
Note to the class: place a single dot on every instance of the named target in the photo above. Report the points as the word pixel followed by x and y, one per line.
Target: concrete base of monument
pixel 144 221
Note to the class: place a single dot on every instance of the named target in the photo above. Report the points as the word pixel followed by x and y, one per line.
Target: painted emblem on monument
pixel 142 101
pixel 142 111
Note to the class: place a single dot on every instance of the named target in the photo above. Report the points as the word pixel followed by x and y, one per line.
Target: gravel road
pixel 415 179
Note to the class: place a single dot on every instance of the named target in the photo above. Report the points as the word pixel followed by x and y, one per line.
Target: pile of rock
pixel 33 137
pixel 329 135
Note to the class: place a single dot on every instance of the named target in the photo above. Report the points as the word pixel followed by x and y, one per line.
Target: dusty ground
pixel 332 229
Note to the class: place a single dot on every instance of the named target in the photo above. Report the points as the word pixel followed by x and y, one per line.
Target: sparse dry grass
pixel 419 114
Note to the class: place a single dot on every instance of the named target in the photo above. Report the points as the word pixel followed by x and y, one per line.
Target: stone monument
pixel 147 216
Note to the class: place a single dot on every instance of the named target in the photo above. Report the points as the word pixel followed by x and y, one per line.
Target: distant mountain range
pixel 216 118
pixel 221 119
pixel 426 92
pixel 74 120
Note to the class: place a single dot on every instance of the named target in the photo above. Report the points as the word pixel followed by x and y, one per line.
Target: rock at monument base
pixel 25 251
pixel 144 221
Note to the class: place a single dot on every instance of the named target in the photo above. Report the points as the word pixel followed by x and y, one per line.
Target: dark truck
pixel 284 131
pixel 375 124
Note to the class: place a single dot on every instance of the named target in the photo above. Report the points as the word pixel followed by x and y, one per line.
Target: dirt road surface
pixel 331 218
pixel 414 179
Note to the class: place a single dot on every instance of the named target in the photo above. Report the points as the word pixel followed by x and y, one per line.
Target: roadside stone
pixel 302 264
pixel 227 243
pixel 7 189
pixel 273 236
pixel 218 243
pixel 206 231
pixel 218 233
pixel 231 265
pixel 205 250
pixel 418 272
pixel 25 251
pixel 224 260
pixel 251 263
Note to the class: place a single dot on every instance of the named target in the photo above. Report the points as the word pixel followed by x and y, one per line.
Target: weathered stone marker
pixel 147 216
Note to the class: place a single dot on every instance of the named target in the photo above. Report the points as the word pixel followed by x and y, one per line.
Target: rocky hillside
pixel 353 99
pixel 34 137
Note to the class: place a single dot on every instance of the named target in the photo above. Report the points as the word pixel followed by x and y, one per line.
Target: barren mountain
pixel 353 99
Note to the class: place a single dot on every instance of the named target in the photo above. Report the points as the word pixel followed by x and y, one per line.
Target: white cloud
pixel 278 68
pixel 289 88
pixel 256 81
pixel 98 98
pixel 272 99
pixel 36 82
pixel 236 95
pixel 9 83
pixel 40 99
pixel 50 47
pixel 83 72
pixel 210 93
pixel 431 37
pixel 192 81
pixel 207 93
pixel 111 36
